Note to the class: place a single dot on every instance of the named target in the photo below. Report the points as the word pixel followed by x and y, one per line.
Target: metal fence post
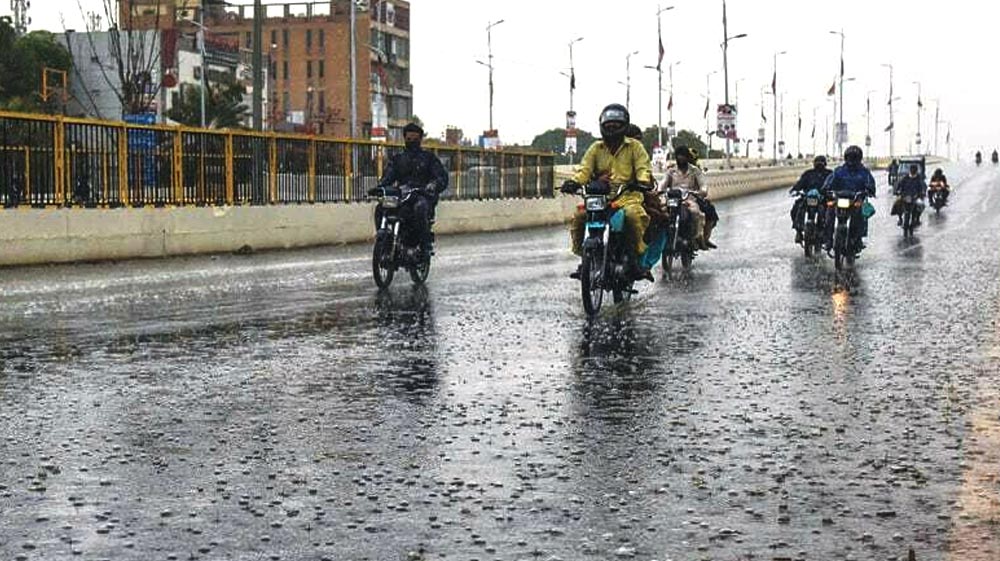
pixel 177 177
pixel 230 171
pixel 273 168
pixel 123 186
pixel 59 160
pixel 312 170
pixel 458 182
pixel 348 172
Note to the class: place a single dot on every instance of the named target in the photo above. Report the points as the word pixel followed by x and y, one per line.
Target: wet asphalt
pixel 276 406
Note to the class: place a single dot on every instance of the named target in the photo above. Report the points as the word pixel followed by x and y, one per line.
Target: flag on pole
pixel 659 62
pixel 670 104
pixel 572 79
pixel 890 127
pixel 947 139
pixel 841 67
pixel 774 83
pixel 763 117
pixel 800 122
pixel 833 89
pixel 868 103
pixel 813 135
pixel 706 109
pixel 920 103
pixel 890 95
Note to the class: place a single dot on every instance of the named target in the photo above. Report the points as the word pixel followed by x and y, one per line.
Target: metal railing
pixel 58 161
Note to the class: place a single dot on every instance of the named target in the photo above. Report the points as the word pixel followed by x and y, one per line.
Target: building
pixel 95 82
pixel 308 44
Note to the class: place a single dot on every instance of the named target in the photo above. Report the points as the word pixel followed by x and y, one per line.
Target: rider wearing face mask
pixel 910 185
pixel 415 168
pixel 852 177
pixel 616 161
pixel 812 179
pixel 684 174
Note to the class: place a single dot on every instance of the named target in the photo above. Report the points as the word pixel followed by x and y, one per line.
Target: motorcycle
pixel 979 159
pixel 937 196
pixel 811 219
pixel 909 215
pixel 679 244
pixel 995 158
pixel 397 245
pixel 847 222
pixel 608 263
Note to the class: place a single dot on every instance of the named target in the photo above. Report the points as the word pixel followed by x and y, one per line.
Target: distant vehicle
pixel 904 167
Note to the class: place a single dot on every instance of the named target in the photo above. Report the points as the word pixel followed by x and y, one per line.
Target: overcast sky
pixel 947 50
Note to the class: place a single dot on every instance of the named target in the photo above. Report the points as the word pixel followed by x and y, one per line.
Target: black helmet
pixel 634 132
pixel 820 160
pixel 614 113
pixel 853 155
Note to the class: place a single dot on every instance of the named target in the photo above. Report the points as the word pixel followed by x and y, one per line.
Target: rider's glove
pixel 375 191
pixel 570 187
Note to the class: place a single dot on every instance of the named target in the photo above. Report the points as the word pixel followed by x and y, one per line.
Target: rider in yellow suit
pixel 622 165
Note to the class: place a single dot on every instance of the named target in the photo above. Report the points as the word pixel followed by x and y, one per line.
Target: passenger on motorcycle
pixel 939 183
pixel 689 177
pixel 851 177
pixel 651 201
pixel 893 171
pixel 995 158
pixel 811 179
pixel 910 185
pixel 415 168
pixel 622 165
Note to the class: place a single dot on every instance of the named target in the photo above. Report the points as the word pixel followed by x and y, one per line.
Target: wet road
pixel 276 407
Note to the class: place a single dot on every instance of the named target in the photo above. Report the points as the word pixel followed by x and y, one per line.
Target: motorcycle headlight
pixel 673 203
pixel 390 202
pixel 812 201
pixel 843 203
pixel 595 204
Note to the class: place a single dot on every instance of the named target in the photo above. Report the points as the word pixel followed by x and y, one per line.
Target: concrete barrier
pixel 38 236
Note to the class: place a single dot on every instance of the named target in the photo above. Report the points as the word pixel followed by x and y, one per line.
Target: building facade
pixel 307 45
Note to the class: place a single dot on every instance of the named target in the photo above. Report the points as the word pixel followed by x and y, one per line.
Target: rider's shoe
pixel 710 245
pixel 798 236
pixel 577 274
pixel 644 274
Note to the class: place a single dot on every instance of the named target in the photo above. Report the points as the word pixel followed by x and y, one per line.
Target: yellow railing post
pixel 230 174
pixel 105 176
pixel 123 186
pixel 177 159
pixel 59 160
pixel 380 160
pixel 312 170
pixel 503 183
pixel 273 160
pixel 458 182
pixel 520 177
pixel 348 172
pixel 27 174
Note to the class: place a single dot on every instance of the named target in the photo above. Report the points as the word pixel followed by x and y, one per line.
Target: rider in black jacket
pixel 415 168
pixel 811 179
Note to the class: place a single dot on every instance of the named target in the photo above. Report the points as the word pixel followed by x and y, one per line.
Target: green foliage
pixel 21 62
pixel 224 108
pixel 554 140
pixel 691 140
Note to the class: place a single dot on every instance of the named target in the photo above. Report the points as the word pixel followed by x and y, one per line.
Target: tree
pixel 554 140
pixel 691 140
pixel 224 107
pixel 133 44
pixel 22 61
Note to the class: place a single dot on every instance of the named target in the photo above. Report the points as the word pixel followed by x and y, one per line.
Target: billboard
pixel 726 117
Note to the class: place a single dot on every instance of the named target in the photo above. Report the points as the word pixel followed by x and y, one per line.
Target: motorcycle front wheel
pixel 383 269
pixel 420 271
pixel 591 275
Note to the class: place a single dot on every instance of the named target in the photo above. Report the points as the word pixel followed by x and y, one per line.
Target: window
pixel 286 102
pixel 309 69
pixel 309 39
pixel 248 40
pixel 322 69
pixel 284 69
pixel 322 101
pixel 284 38
pixel 274 37
pixel 322 38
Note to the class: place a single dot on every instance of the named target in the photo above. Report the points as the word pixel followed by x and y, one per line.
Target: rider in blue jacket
pixel 851 177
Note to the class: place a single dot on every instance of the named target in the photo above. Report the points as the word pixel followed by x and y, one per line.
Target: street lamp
pixel 628 80
pixel 920 108
pixel 725 59
pixel 774 92
pixel 841 134
pixel 489 47
pixel 892 122
pixel 868 118
pixel 572 72
pixel 708 104
pixel 659 71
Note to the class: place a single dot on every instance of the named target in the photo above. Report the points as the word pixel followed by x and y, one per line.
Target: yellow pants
pixel 636 222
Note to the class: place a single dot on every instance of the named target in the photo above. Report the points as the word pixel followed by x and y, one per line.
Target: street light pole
pixel 354 69
pixel 489 47
pixel 840 124
pixel 868 119
pixel 201 49
pixel 920 110
pixel 258 70
pixel 572 72
pixel 659 72
pixel 725 61
pixel 937 121
pixel 892 122
pixel 628 80
pixel 774 92
pixel 708 104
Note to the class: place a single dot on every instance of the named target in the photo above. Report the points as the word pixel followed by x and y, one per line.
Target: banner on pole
pixel 841 133
pixel 726 115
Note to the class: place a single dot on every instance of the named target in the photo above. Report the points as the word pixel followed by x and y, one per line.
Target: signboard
pixel 378 134
pixel 868 142
pixel 781 147
pixel 570 120
pixel 841 133
pixel 570 144
pixel 490 140
pixel 726 116
pixel 760 138
pixel 671 129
